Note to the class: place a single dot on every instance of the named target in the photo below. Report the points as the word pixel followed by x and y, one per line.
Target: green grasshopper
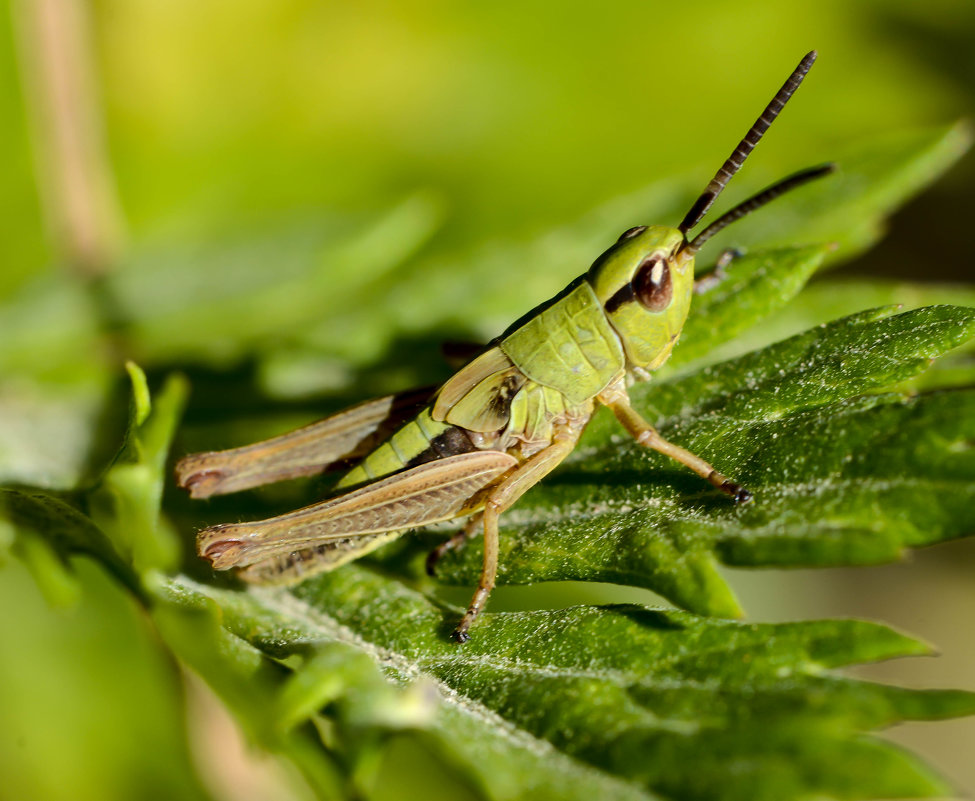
pixel 473 446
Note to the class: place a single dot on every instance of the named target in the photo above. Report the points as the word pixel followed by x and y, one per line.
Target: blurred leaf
pixel 48 431
pixel 125 501
pixel 108 660
pixel 346 290
pixel 248 684
pixel 275 706
pixel 218 302
pixel 92 707
pixel 53 383
pixel 52 331
pixel 474 292
pixel 45 527
pixel 874 178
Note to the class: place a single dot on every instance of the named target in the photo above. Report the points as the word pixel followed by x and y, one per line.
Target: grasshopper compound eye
pixel 652 285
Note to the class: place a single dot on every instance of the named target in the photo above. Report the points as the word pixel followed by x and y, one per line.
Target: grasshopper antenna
pixel 746 145
pixel 777 189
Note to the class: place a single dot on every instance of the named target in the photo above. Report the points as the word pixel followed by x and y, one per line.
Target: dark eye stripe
pixel 624 294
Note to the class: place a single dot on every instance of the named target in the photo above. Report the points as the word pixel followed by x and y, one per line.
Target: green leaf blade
pixel 664 700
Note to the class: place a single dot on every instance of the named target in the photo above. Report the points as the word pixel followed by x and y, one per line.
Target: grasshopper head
pixel 644 283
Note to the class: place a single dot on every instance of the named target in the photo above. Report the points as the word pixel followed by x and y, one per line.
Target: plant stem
pixel 76 184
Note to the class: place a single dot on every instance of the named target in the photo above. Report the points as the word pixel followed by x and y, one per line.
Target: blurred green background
pixel 226 121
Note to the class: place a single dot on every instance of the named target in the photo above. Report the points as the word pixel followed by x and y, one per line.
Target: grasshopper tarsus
pixel 460 635
pixel 737 492
pixel 727 256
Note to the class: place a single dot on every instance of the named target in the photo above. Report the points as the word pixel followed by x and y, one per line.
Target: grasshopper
pixel 473 446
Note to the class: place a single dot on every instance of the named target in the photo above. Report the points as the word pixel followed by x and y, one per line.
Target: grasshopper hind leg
pixel 290 568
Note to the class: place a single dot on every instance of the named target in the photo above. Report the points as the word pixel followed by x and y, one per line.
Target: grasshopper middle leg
pixel 517 483
pixel 471 528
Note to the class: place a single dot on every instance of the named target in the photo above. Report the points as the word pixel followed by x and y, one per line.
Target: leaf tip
pixel 141 402
pixel 962 134
pixel 891 643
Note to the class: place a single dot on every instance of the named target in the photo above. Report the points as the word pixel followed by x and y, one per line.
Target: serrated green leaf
pixel 637 701
pixel 834 296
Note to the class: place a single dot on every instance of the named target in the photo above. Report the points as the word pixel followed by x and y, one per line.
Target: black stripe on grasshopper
pixel 453 441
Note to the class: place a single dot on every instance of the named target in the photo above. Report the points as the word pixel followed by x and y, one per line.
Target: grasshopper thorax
pixel 644 283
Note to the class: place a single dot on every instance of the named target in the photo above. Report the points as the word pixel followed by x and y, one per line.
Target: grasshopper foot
pixel 708 282
pixel 737 492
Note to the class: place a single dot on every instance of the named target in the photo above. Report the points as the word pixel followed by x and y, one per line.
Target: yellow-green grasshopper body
pixel 475 445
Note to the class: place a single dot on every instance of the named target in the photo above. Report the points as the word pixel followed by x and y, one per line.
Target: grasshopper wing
pixel 313 449
pixel 343 528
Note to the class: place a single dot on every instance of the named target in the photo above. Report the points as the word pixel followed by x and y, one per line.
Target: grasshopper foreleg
pixel 646 435
pixel 509 490
pixel 708 282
